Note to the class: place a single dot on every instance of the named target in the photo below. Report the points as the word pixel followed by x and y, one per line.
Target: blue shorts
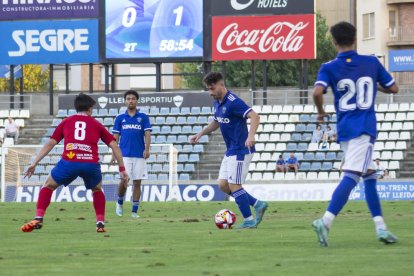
pixel 65 172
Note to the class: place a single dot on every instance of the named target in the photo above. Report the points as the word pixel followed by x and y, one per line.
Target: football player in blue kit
pixel 231 114
pixel 353 79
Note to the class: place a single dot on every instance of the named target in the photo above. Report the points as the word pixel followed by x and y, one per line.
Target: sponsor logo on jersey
pixel 76 146
pixel 131 126
pixel 223 110
pixel 222 120
pixel 139 120
pixel 71 154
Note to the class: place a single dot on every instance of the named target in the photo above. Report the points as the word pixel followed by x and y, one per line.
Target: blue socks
pixel 120 200
pixel 371 195
pixel 342 192
pixel 242 199
pixel 252 199
pixel 135 205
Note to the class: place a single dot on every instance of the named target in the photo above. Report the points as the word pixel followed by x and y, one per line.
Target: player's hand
pixel 250 141
pixel 29 172
pixel 194 139
pixel 146 154
pixel 321 117
pixel 113 160
pixel 124 177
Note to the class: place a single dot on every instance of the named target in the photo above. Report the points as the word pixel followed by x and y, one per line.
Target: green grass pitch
pixel 180 238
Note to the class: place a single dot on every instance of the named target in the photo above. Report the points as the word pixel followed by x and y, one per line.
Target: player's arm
pixel 147 138
pixel 254 124
pixel 42 153
pixel 113 159
pixel 318 100
pixel 118 156
pixel 393 89
pixel 214 125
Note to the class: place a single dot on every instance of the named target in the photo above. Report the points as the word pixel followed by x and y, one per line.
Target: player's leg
pixel 139 172
pixel 374 205
pixel 43 202
pixel 136 195
pixel 123 186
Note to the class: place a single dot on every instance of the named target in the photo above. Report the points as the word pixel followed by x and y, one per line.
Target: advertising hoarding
pixel 42 42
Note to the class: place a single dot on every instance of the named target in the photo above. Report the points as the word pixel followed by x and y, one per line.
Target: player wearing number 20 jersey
pixel 353 79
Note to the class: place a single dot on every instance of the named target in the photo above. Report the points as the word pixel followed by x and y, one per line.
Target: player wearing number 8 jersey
pixel 81 134
pixel 353 79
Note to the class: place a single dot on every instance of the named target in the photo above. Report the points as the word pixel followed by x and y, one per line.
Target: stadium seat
pixel 184 111
pixel 184 177
pixel 302 147
pixel 300 176
pixel 202 120
pixel 291 147
pixel 154 111
pixel 170 120
pixel 326 166
pixel 270 166
pixel 397 155
pixel 312 176
pixel 267 176
pixel 306 137
pixel 280 147
pixel 194 158
pixel 313 147
pixel 257 108
pixel 285 137
pixel 256 176
pixel 308 109
pixel 404 107
pixel 272 118
pixel 304 118
pixel 103 112
pixel 266 156
pixel 261 166
pixel 408 126
pixel 164 111
pixel 268 128
pixel 206 110
pixel 276 109
pixel 109 121
pixel 320 156
pixel 283 118
pixel 323 176
pixel 165 130
pixel 266 109
pixel 310 127
pixel 394 165
pixel 289 128
pixel 316 166
pixel 334 175
pixel 260 147
pixel 195 110
pixel 174 129
pixel 309 156
pixel 61 113
pixel 162 177
pixel 290 176
pixel 274 137
pixel 24 113
pixel 305 166
pixel 287 109
pixel 402 145
pixel 279 128
pixel 394 107
pixel 171 139
pixel 300 128
pixel 189 167
pixel 161 139
pixel 400 116
pixel 159 120
pixel 380 117
pixel 191 120
pixel 174 111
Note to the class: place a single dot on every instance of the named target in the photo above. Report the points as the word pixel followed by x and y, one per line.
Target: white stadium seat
pixel 285 137
pixel 4 113
pixel 289 128
pixel 279 128
pixel 394 165
pixel 329 108
pixel 267 176
pixel 323 176
pixel 290 176
pixel 266 156
pixel 266 109
pixel 298 109
pixel 300 176
pixel 400 116
pixel 382 108
pixel 14 113
pixel 379 146
pixel 277 109
pixel 380 117
pixel 24 113
pixel 382 136
pixel 256 176
pixel 272 118
pixel 283 118
pixel 281 147
pixel 294 118
pixel 268 128
pixel 274 137
pixel 408 126
pixel 389 116
pixel 263 137
pixel 263 119
pixel 279 176
pixel 386 126
pixel 313 147
pixel 410 116
pixel 252 166
pixel 335 147
pixel 287 109
pixel 261 166
pixel 260 146
pixel 386 155
pixel 401 145
pixel 334 175
pixel 394 107
pixel 271 166
pixel 396 125
pixel 394 135
pixel 257 108
pixel 312 176
pixel 397 155
pixel 405 135
pixel 270 147
pixel 389 145
pixel 256 157
pixel 404 107
pixel 308 109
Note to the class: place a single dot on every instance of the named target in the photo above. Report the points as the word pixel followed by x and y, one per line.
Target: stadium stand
pixel 283 129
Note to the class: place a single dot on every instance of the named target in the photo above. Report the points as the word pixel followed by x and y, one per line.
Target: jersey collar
pixel 135 115
pixel 224 99
pixel 347 54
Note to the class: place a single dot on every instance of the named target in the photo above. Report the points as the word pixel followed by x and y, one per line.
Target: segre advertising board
pixel 42 42
pixel 263 37
pixel 48 9
pixel 154 29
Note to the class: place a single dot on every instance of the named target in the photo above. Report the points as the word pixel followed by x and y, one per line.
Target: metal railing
pixel 401 34
pixel 16 102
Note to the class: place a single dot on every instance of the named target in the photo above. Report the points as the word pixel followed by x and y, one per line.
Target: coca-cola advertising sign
pixel 247 7
pixel 263 37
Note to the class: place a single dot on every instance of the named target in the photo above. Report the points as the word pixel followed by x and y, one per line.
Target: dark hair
pixel 131 92
pixel 83 102
pixel 212 78
pixel 280 156
pixel 344 33
pixel 329 127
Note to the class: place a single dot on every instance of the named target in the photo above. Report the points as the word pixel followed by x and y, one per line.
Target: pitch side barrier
pixel 195 191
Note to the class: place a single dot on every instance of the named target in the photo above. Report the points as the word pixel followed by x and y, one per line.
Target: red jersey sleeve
pixel 58 133
pixel 106 137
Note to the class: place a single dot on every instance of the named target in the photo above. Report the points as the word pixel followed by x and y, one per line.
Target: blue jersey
pixel 280 162
pixel 231 114
pixel 292 161
pixel 132 131
pixel 353 79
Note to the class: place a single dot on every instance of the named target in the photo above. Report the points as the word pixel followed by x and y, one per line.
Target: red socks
pixel 99 205
pixel 43 202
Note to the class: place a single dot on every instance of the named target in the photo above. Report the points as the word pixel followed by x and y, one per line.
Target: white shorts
pixel 233 170
pixel 136 168
pixel 358 154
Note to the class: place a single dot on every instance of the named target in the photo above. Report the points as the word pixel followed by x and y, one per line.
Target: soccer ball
pixel 225 219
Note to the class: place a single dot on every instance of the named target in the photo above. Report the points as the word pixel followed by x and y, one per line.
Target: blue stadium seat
pixel 94 112
pixel 340 155
pixel 316 166
pixel 291 147
pixel 181 121
pixel 164 111
pixel 205 110
pixel 99 119
pixel 309 156
pixel 49 131
pixel 191 120
pixel 326 166
pixel 198 148
pixel 182 139
pixel 302 147
pixel 296 137
pixel 39 169
pixel 189 167
pixel 152 177
pixel 156 168
pixel 186 129
pixel 306 137
pixel 299 155
pixel 174 111
pixel 122 109
pixel 330 156
pixel 187 148
pixel 165 168
pixel 113 112
pixel 161 139
pixel 160 120
pixel 151 159
pixel 182 158
pixel 176 130
pixel 333 118
pixel 197 129
pixel 310 127
pixel 171 139
pixel 314 118
pixel 56 122
pixel 180 167
pixel 195 110
pixel 304 118
pixel 108 177
pixel 165 130
pixel 71 112
pixel 320 156
pixel 203 139
pixel 185 111
pixel 202 120
pixel 62 113
pixel 163 177
pixel 156 130
pixel 108 121
pixel 305 166
pixel 170 120
pixel 154 111
pixel 184 177
pixel 194 157
pixel 162 158
pixel 300 128
pixel 103 112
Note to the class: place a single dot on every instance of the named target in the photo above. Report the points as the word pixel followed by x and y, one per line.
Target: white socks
pixel 379 223
pixel 327 219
